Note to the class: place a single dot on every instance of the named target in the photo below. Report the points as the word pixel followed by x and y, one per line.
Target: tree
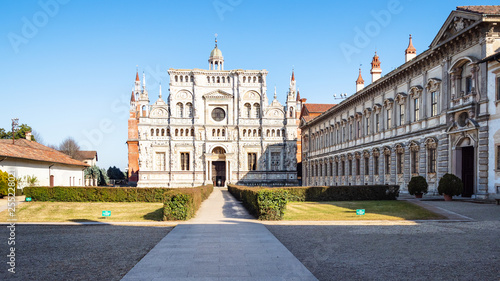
pixel 20 133
pixel 115 173
pixel 95 172
pixel 69 147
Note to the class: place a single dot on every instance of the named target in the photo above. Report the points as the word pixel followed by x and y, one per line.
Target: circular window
pixel 462 119
pixel 218 114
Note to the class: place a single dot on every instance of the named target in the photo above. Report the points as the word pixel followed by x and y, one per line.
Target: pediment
pixel 457 23
pixel 219 94
pixel 275 113
pixel 159 112
pixel 469 124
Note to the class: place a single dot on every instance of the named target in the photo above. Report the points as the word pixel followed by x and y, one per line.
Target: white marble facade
pixel 216 126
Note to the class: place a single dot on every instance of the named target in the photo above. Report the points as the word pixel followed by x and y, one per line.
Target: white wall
pixel 64 175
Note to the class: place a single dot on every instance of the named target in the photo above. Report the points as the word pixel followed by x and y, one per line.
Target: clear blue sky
pixel 68 69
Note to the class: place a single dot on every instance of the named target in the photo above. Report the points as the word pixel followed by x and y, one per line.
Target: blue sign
pixel 360 212
pixel 106 213
pixel 28 199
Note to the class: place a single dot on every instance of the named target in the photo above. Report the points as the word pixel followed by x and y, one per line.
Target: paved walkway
pixel 223 242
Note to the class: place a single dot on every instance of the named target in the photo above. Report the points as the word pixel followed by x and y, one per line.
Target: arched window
pixel 213 133
pixel 189 109
pixel 192 132
pixel 157 132
pixel 223 79
pixel 291 112
pixel 181 78
pixel 168 132
pixel 278 133
pixel 260 132
pixel 254 133
pixel 218 132
pixel 176 78
pixel 176 132
pixel 143 111
pixel 256 110
pixel 248 109
pixel 180 109
pixel 208 79
pixel 162 132
pixel 255 79
pixel 267 133
pixel 244 132
pixel 244 79
pixel 187 79
pixel 152 132
pixel 182 132
pixel 273 133
pixel 223 132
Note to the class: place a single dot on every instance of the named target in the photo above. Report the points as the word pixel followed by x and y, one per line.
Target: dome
pixel 216 53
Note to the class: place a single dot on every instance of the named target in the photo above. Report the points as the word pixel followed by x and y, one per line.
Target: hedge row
pixel 270 203
pixel 178 203
pixel 104 194
pixel 343 193
pixel 263 203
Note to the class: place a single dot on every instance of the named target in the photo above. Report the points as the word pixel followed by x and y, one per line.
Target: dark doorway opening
pixel 219 173
pixel 468 170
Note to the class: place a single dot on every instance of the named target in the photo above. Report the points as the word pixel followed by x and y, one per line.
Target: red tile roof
pixel 86 155
pixel 25 149
pixel 489 10
pixel 318 107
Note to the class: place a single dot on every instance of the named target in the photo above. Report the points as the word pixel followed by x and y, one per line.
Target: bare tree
pixel 70 147
pixel 38 137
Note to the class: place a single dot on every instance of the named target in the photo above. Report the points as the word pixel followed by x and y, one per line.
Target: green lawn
pixel 346 210
pixel 88 211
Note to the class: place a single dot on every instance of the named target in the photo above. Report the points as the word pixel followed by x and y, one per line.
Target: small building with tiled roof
pixel 87 156
pixel 24 158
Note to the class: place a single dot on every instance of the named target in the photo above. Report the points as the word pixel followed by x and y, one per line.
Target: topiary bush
pixel 271 203
pixel 418 184
pixel 450 185
pixel 179 206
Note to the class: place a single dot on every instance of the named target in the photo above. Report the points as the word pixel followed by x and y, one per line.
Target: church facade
pixel 216 127
pixel 437 113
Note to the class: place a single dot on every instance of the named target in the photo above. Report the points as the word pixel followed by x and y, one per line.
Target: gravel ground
pixel 428 251
pixel 86 252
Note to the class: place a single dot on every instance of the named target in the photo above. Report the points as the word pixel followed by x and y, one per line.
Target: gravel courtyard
pixel 77 252
pixel 425 251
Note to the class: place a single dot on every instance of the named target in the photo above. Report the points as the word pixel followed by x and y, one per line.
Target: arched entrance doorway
pixel 465 165
pixel 219 167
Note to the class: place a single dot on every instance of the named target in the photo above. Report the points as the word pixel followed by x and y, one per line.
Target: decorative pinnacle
pixel 216 40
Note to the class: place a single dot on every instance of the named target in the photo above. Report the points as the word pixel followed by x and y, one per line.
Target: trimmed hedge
pixel 270 203
pixel 179 203
pixel 105 194
pixel 263 203
pixel 343 193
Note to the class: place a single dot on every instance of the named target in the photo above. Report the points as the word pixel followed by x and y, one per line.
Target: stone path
pixel 223 242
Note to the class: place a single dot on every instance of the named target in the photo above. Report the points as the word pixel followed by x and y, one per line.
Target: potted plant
pixel 417 186
pixel 450 185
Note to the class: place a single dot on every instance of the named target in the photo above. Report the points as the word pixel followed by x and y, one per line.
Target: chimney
pixel 28 136
pixel 376 71
pixel 360 83
pixel 410 52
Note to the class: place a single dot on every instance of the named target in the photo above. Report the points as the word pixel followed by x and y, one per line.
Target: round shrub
pixel 417 184
pixel 450 185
